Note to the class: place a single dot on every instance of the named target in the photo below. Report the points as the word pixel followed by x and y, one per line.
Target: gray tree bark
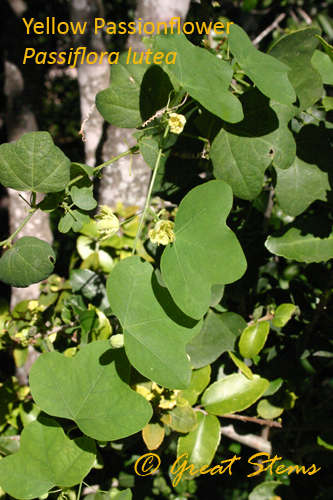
pixel 21 90
pixel 91 77
pixel 116 184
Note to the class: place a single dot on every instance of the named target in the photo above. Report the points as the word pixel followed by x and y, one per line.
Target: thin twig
pixel 256 442
pixel 270 423
pixel 270 28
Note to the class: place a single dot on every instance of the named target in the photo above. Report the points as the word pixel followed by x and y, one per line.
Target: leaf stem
pixel 151 185
pixel 28 217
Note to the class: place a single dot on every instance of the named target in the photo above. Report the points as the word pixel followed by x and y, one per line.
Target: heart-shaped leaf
pixel 205 252
pixel 218 335
pixel 198 447
pixel 91 389
pixel 34 163
pixel 269 74
pixel 46 458
pixel 30 260
pixel 296 50
pixel 204 76
pixel 155 330
pixel 135 93
pixel 233 393
pixel 253 339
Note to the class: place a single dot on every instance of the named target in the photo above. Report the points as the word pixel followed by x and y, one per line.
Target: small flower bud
pixel 162 232
pixel 176 123
pixel 108 223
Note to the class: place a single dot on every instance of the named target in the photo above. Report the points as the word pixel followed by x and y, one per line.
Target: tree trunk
pixel 91 77
pixel 22 88
pixel 116 184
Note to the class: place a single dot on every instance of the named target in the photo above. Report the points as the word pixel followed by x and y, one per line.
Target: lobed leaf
pixel 296 50
pixel 205 251
pixel 267 73
pixel 204 76
pixel 155 330
pixel 91 389
pixel 46 458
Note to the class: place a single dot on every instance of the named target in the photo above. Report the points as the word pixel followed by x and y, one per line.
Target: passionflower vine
pixel 107 223
pixel 176 123
pixel 163 233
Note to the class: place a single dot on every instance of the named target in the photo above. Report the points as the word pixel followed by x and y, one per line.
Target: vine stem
pixel 151 185
pixel 8 240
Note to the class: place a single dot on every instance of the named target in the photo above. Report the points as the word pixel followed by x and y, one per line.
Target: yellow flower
pixel 176 123
pixel 162 232
pixel 108 223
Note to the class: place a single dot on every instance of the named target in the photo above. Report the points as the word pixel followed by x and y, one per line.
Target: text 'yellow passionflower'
pixel 162 234
pixel 107 223
pixel 176 123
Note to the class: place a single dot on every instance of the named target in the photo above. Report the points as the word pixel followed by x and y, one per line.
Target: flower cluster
pixel 176 123
pixel 108 223
pixel 162 233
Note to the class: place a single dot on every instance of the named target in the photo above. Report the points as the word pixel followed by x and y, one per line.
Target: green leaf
pixel 46 458
pixel 205 251
pixel 33 163
pixel 134 95
pixel 51 201
pixel 326 438
pixel 73 220
pixel 266 410
pixel 283 314
pixel 123 495
pixel 203 75
pixel 241 365
pixel 310 176
pixel 199 446
pixel 268 74
pixel 218 335
pixel 327 47
pixel 199 381
pixel 296 50
pixel 153 435
pixel 253 339
pixel 83 198
pixel 155 330
pixel 30 260
pixel 90 285
pixel 328 103
pixel 306 240
pixel 183 419
pixel 241 153
pixel 8 398
pixel 91 389
pixel 324 65
pixel 233 393
pixel 272 490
